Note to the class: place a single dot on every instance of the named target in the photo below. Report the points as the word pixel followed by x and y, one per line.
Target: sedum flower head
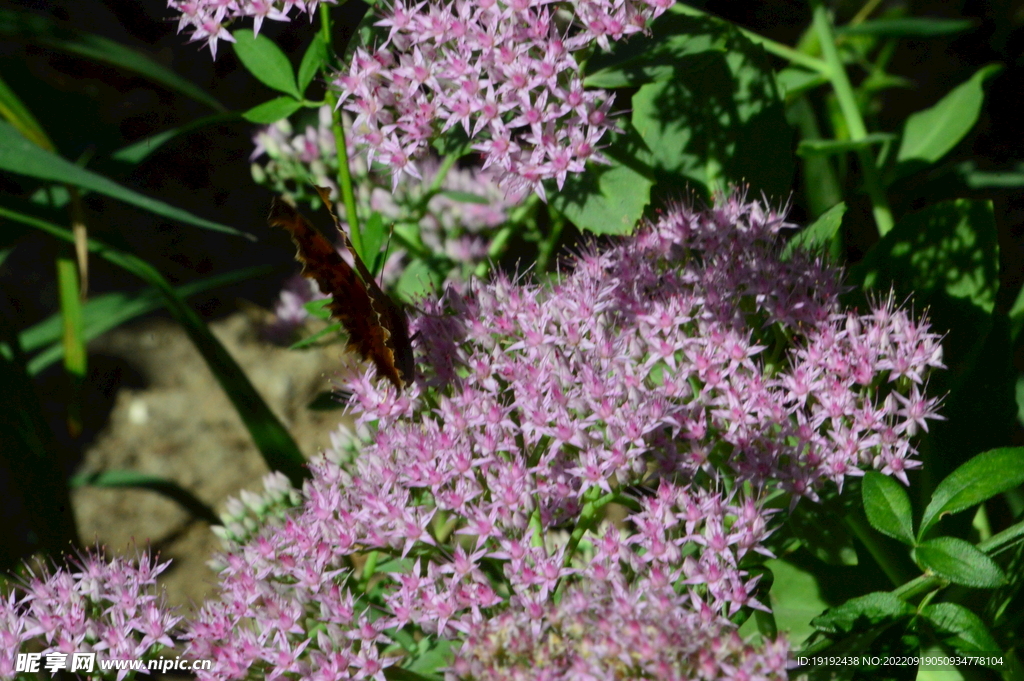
pixel 656 375
pixel 505 73
pixel 208 19
pixel 109 608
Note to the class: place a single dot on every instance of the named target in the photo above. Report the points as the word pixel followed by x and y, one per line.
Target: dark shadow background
pixel 90 110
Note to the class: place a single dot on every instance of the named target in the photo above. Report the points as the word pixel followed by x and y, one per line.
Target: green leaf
pixel 719 121
pixel 435 656
pixel 133 479
pixel 863 612
pixel 794 81
pixel 608 199
pixel 833 147
pixel 318 308
pixel 265 60
pixel 374 236
pixel 795 599
pixel 981 478
pixel 960 562
pixel 272 111
pixel 38 29
pixel 312 340
pixel 928 135
pixel 314 58
pixel 17 114
pixel 950 246
pixel 908 27
pixel 73 336
pixel 818 236
pixel 887 506
pixel 960 629
pixel 102 313
pixel 137 151
pixel 275 444
pixel 18 155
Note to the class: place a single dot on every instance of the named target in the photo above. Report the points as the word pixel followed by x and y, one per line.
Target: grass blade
pixel 19 155
pixel 42 30
pixel 110 310
pixel 275 444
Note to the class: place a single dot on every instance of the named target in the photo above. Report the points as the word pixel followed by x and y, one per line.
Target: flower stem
pixel 348 195
pixel 851 114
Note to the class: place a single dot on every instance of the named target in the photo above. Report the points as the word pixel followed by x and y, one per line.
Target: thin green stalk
pixel 851 114
pixel 348 195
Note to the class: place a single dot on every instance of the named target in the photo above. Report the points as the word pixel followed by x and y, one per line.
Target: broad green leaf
pixel 20 156
pixel 795 599
pixel 719 121
pixel 154 483
pixel 137 151
pixel 908 27
pixel 272 111
pixel 265 60
pixel 863 612
pixel 102 313
pixel 818 236
pixel 608 199
pixel 73 336
pixel 887 506
pixel 981 478
pixel 950 246
pixel 314 58
pixel 17 114
pixel 958 561
pixel 794 81
pixel 961 630
pixel 38 29
pixel 275 444
pixel 832 147
pixel 928 135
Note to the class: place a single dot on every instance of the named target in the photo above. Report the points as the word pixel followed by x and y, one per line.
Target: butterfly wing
pixel 369 331
pixel 392 316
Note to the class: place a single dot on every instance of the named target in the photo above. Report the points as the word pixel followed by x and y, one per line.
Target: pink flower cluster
pixel 109 608
pixel 598 632
pixel 209 18
pixel 656 375
pixel 505 73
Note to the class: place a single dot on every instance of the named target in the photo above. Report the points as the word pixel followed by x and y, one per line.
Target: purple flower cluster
pixel 110 608
pixel 209 18
pixel 506 73
pixel 656 376
pixel 597 632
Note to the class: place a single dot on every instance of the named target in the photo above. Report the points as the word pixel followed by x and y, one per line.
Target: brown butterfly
pixel 376 325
